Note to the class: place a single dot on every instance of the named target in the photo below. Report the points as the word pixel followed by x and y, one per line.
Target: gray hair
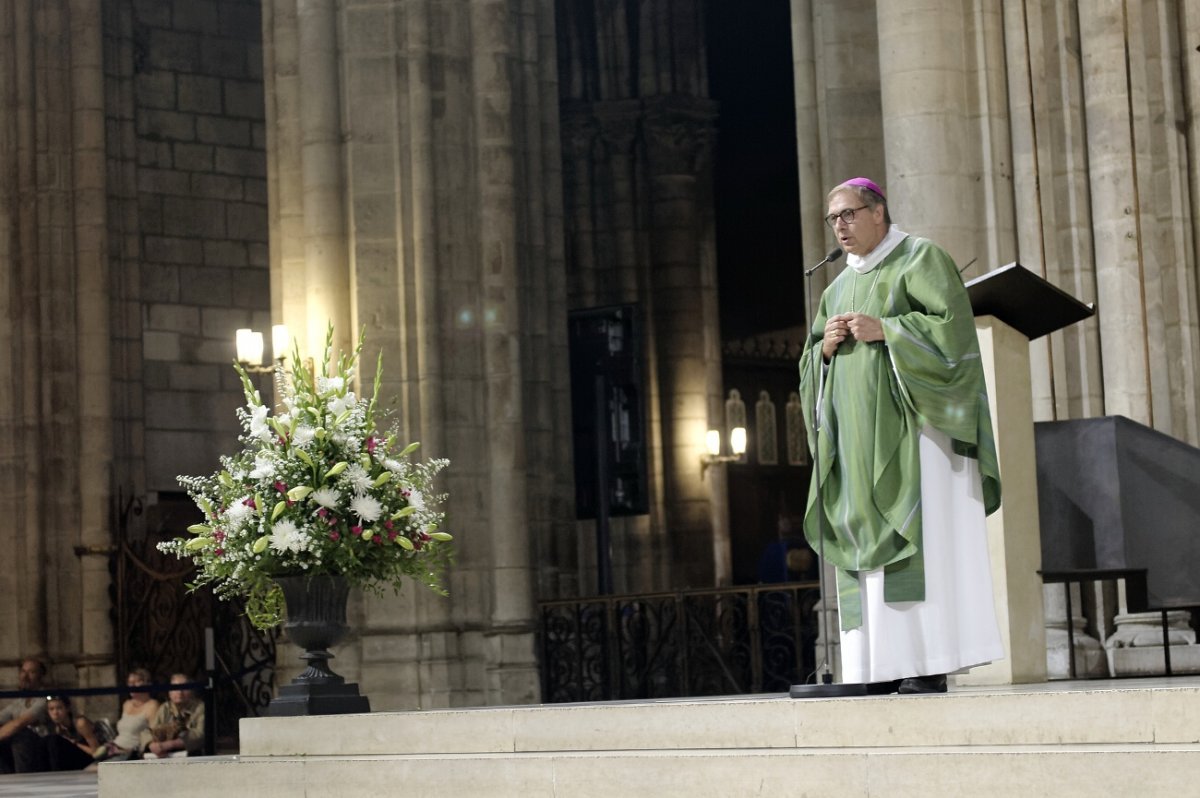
pixel 865 195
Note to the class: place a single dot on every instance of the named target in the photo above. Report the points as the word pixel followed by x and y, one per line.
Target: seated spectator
pixel 69 741
pixel 178 728
pixel 21 749
pixel 137 713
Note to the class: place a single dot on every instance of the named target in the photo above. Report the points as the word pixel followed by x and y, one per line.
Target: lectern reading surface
pixel 1024 301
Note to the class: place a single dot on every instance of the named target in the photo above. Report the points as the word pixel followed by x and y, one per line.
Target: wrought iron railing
pixel 722 641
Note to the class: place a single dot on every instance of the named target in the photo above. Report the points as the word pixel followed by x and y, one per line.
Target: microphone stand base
pixel 828 690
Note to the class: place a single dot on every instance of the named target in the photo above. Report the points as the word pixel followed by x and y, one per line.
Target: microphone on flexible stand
pixel 825 688
pixel 833 255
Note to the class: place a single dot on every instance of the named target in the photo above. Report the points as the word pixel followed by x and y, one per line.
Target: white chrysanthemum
pixel 357 478
pixel 238 512
pixel 367 508
pixel 264 466
pixel 258 422
pixel 415 499
pixel 392 465
pixel 303 435
pixel 327 497
pixel 286 537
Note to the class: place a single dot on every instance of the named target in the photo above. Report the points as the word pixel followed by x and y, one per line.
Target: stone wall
pixel 197 111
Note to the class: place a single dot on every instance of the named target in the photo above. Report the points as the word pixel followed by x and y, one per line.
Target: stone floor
pixel 74 784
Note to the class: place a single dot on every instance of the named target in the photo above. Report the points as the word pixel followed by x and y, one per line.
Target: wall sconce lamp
pixel 250 348
pixel 712 442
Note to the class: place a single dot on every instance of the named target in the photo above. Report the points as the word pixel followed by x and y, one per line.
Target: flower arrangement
pixel 315 489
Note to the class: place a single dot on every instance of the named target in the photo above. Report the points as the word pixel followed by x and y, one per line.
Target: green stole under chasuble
pixel 876 399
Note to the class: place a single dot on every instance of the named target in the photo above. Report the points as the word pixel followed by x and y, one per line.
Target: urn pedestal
pixel 316 620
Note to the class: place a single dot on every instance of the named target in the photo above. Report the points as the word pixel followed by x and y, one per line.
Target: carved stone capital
pixel 679 134
pixel 579 131
pixel 620 121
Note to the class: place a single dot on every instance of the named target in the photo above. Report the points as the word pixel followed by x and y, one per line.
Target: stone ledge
pixel 870 773
pixel 1046 717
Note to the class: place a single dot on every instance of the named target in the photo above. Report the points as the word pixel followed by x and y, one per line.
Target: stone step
pixel 976 771
pixel 976 717
pixel 1063 740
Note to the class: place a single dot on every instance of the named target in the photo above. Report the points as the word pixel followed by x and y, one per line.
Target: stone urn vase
pixel 316 621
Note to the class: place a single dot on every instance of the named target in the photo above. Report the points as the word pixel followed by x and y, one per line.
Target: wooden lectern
pixel 1014 306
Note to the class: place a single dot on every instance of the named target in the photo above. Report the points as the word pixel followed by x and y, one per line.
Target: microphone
pixel 833 255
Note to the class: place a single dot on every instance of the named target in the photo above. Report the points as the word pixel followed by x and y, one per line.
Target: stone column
pixel 608 265
pixel 685 322
pixel 1145 251
pixel 326 260
pixel 1120 269
pixel 839 124
pixel 442 119
pixel 1106 197
pixel 1054 238
pixel 93 341
pixel 633 87
pixel 55 382
pixel 945 127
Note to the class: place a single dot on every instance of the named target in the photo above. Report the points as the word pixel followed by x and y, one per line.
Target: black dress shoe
pixel 923 684
pixel 883 688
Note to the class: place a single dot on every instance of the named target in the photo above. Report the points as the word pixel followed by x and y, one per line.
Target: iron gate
pixel 160 623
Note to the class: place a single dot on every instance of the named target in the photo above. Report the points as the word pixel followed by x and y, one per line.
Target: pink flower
pixel 377 539
pixel 334 536
pixel 393 534
pixel 356 530
pixel 218 536
pixel 371 444
pixel 219 552
pixel 249 502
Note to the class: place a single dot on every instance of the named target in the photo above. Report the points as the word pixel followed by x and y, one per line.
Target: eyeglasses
pixel 847 216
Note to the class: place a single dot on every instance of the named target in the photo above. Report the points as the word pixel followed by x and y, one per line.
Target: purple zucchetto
pixel 867 183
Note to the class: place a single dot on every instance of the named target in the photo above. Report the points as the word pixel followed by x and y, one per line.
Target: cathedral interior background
pixel 487 187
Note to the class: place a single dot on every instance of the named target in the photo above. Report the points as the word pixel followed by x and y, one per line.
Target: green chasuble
pixel 875 400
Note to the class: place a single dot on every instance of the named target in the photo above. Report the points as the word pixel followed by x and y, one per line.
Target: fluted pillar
pixel 55 381
pixel 839 124
pixel 945 126
pixel 1145 255
pixel 686 324
pixel 1105 191
pixel 424 138
pixel 640 128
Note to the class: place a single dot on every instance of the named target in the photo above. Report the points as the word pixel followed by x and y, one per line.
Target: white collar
pixel 864 263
